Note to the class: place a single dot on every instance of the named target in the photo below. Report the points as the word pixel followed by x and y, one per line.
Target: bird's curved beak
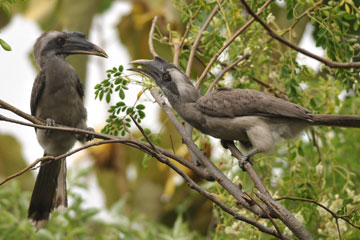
pixel 151 68
pixel 77 45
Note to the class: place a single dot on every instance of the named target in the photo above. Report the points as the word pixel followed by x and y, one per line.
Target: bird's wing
pixel 228 102
pixel 37 90
pixel 80 88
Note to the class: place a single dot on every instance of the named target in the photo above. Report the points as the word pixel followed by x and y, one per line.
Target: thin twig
pixel 20 113
pixel 127 141
pixel 338 227
pixel 269 216
pixel 177 49
pixel 316 145
pixel 151 35
pixel 286 217
pixel 228 42
pixel 33 164
pixel 198 38
pixel 327 62
pixel 334 215
pixel 225 70
pixel 187 30
pixel 211 197
pixel 143 133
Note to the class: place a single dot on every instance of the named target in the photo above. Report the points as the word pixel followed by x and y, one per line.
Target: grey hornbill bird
pixel 256 119
pixel 57 97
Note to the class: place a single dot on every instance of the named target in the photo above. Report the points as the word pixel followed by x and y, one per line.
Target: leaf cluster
pixel 118 121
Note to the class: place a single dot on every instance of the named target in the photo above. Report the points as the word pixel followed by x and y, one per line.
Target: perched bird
pixel 57 97
pixel 256 119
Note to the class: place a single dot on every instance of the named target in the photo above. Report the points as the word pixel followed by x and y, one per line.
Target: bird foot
pixel 89 137
pixel 50 123
pixel 246 158
pixel 243 160
pixel 85 137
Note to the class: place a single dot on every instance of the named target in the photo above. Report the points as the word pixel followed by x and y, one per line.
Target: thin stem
pixel 274 35
pixel 228 42
pixel 198 39
pixel 151 35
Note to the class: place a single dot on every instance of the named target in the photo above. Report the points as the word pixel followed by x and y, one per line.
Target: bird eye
pixel 60 41
pixel 166 77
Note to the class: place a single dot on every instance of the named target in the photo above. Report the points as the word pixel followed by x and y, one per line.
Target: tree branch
pixel 127 141
pixel 151 36
pixel 209 167
pixel 327 62
pixel 287 218
pixel 227 44
pixel 225 70
pixel 198 38
pixel 320 205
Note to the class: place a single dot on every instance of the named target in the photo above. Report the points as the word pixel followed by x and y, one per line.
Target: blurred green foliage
pixel 80 223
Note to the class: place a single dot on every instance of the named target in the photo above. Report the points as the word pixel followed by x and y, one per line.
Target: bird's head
pixel 63 44
pixel 172 81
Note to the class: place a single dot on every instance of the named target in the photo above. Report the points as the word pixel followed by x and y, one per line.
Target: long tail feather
pixel 351 121
pixel 49 191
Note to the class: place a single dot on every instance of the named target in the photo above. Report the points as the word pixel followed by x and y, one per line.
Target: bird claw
pixel 245 158
pixel 89 137
pixel 49 123
pixel 85 137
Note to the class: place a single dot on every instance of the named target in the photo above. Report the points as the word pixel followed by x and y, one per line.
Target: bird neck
pixel 50 59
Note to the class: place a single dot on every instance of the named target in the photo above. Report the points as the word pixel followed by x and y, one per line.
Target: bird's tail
pixel 351 121
pixel 49 191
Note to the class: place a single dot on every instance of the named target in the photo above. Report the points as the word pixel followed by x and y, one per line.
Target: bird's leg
pixel 229 144
pixel 226 143
pixel 85 137
pixel 50 123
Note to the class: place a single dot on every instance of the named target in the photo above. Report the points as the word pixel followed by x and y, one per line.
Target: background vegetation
pixel 322 165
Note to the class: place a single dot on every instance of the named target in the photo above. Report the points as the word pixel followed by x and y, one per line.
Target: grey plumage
pixel 57 97
pixel 256 119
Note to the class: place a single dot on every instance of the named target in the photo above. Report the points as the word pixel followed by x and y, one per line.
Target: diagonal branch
pixel 336 216
pixel 281 212
pixel 20 113
pixel 151 36
pixel 198 38
pixel 131 142
pixel 227 44
pixel 209 167
pixel 225 70
pixel 327 62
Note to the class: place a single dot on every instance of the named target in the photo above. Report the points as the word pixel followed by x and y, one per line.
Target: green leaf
pixel 121 68
pixel 140 107
pixel 141 114
pixel 118 81
pixel 6 9
pixel 129 110
pixel 292 156
pixel 122 94
pixel 108 97
pixel 101 95
pixel 4 45
pixel 120 104
pixel 356 26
